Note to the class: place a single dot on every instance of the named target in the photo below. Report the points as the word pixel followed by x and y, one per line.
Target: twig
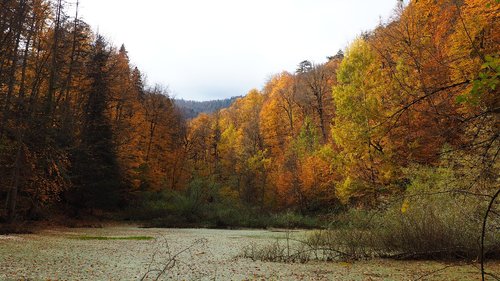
pixel 436 271
pixel 483 232
pixel 172 259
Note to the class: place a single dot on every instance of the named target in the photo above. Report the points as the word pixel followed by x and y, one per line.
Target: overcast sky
pixel 211 49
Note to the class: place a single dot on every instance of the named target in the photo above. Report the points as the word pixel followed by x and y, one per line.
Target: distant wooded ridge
pixel 191 109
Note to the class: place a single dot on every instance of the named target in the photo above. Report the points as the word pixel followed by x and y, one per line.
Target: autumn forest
pixel 403 125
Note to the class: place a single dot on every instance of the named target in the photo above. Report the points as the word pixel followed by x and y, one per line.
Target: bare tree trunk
pixel 67 86
pixel 13 68
pixel 321 117
pixel 13 191
pixel 53 69
pixel 152 129
pixel 5 25
pixel 66 90
pixel 20 108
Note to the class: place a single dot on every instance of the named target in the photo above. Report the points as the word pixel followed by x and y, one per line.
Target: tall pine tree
pixel 96 173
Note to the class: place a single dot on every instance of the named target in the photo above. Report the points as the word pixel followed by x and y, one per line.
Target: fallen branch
pixel 171 260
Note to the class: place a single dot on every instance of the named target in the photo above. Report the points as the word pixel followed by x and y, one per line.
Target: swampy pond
pixel 129 252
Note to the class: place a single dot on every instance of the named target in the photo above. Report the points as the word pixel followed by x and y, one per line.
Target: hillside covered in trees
pixel 191 109
pixel 405 122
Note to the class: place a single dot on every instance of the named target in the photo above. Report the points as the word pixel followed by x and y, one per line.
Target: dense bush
pixel 434 219
pixel 186 209
pixel 432 227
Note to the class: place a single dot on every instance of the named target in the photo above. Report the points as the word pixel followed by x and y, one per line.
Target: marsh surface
pixel 125 253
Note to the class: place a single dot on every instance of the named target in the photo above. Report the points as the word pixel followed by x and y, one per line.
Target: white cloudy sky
pixel 210 49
